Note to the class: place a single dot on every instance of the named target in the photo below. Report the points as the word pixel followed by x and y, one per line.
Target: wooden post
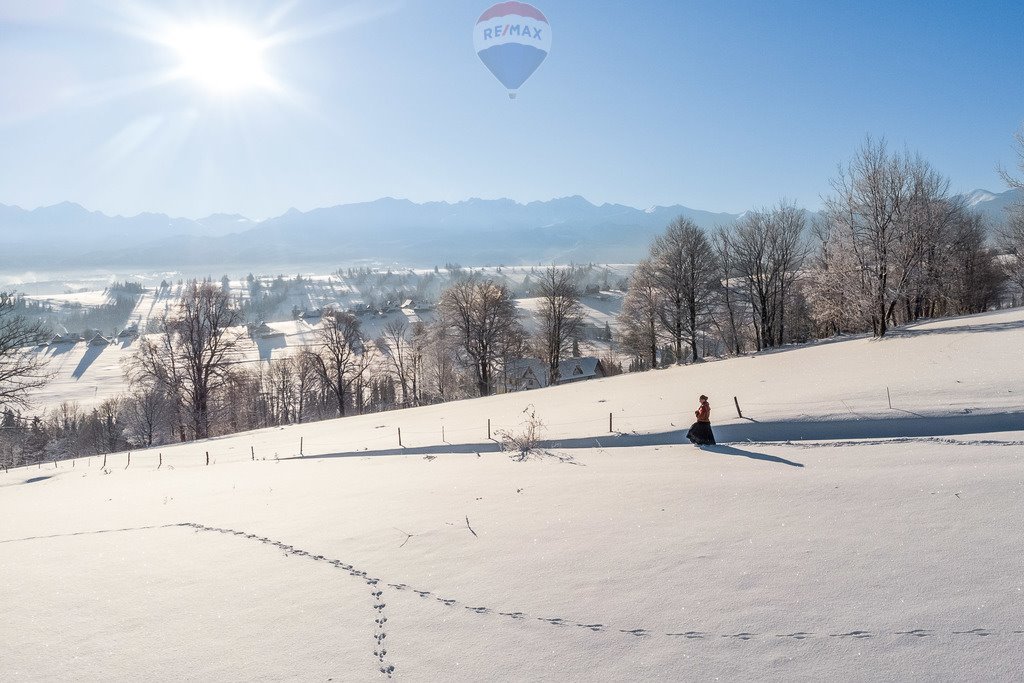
pixel 252 449
pixel 442 435
pixel 160 463
pixel 400 437
pixel 737 402
pixel 889 397
pixel 610 430
pixel 104 461
pixel 129 460
pixel 73 464
pixel 488 429
pixel 207 457
pixel 300 445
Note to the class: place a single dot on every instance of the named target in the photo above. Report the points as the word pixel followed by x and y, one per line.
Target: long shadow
pixel 266 346
pixel 730 450
pixel 975 328
pixel 673 437
pixel 871 428
pixel 58 349
pixel 91 354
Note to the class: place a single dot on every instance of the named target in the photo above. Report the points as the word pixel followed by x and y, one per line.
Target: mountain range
pixel 474 231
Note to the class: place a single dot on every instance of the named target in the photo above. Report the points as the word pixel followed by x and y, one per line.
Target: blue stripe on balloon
pixel 512 63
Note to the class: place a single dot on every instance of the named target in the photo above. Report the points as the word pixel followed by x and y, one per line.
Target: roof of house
pixel 578 368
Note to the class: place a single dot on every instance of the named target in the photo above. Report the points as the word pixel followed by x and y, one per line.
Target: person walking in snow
pixel 700 433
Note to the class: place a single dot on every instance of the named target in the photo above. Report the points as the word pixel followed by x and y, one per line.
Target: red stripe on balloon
pixel 518 8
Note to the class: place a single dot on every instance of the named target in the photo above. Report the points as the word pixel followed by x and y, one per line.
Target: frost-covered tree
pixel 885 208
pixel 1010 240
pixel 482 316
pixel 639 322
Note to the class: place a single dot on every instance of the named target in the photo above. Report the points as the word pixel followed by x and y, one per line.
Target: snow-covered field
pixel 888 546
pixel 88 375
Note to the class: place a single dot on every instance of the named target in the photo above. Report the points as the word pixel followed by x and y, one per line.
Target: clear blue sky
pixel 717 105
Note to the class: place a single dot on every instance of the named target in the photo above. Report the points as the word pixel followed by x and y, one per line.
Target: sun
pixel 223 59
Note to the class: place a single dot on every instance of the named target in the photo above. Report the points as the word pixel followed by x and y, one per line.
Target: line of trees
pixel 892 245
pixel 188 379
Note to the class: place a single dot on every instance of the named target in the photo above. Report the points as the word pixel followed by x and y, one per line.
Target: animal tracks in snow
pixel 380 635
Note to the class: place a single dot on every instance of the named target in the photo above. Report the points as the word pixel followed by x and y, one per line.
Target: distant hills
pixel 474 231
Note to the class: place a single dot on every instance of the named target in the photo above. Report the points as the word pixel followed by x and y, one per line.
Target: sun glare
pixel 221 58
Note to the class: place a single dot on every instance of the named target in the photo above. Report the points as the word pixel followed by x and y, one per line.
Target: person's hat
pixel 703 397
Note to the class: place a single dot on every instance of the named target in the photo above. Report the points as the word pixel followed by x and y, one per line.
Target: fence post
pixel 161 462
pixel 129 460
pixel 400 437
pixel 610 423
pixel 252 449
pixel 442 435
pixel 737 402
pixel 300 445
pixel 488 429
pixel 104 461
pixel 889 397
pixel 207 457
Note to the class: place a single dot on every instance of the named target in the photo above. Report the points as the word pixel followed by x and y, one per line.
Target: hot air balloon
pixel 512 39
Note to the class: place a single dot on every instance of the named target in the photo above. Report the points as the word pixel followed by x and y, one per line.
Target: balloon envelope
pixel 512 39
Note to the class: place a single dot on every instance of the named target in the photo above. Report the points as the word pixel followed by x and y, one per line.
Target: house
pixel 66 338
pixel 99 340
pixel 265 331
pixel 532 373
pixel 579 369
pixel 130 332
pixel 526 373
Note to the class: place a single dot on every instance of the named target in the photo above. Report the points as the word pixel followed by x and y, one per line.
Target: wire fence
pixel 395 438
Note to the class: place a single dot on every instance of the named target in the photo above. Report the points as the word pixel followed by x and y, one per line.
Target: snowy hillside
pixel 887 547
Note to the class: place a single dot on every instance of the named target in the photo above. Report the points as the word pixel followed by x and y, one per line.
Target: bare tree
pixel 726 260
pixel 684 271
pixel 769 251
pixel 440 370
pixel 145 414
pixel 400 357
pixel 481 313
pixel 105 426
pixel 1011 243
pixel 638 317
pixel 191 356
pixel 561 315
pixel 338 356
pixel 22 367
pixel 975 279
